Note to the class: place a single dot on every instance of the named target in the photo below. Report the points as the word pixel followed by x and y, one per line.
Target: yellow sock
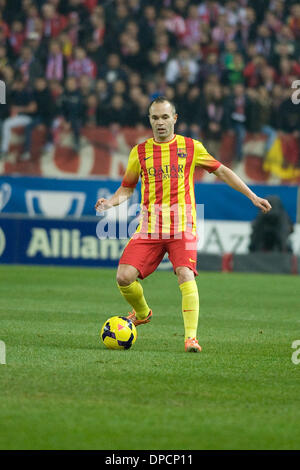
pixel 134 295
pixel 190 308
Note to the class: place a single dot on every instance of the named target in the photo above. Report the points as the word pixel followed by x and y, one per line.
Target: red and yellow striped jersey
pixel 167 183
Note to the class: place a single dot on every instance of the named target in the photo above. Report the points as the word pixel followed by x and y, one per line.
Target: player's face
pixel 162 120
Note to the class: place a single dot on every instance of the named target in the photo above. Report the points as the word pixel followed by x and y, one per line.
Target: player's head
pixel 163 117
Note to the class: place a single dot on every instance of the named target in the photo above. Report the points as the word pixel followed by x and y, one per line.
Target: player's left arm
pixel 233 180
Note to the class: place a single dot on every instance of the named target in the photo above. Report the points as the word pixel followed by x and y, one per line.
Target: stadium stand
pixel 232 68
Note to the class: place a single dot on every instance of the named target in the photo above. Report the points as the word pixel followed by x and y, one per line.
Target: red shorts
pixel 146 254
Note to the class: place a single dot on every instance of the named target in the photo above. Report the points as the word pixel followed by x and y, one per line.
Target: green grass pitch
pixel 61 389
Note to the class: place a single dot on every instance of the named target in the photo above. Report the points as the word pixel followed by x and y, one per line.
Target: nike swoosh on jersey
pixel 146 158
pixel 192 260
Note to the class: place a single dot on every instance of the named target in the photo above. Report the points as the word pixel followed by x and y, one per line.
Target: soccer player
pixel 166 164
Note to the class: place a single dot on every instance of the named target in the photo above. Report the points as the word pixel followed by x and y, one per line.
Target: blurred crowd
pixel 227 65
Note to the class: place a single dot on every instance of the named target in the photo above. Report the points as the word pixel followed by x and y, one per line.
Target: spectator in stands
pixel 234 12
pixel 288 71
pixel 72 109
pixel 120 17
pixel 154 65
pixel 147 26
pixel 29 67
pixel 193 112
pixel 119 88
pixel 272 22
pixel 32 14
pixel 113 70
pixel 237 114
pixel 7 74
pixel 4 61
pixel 162 46
pixel 174 23
pixel 181 92
pixel 103 91
pixel 66 45
pixel 252 71
pixel 19 12
pixel 139 114
pixel 78 7
pixel 247 32
pixel 54 23
pixel 135 93
pixel 74 29
pixel 151 90
pixel 117 113
pixel 22 108
pixel 4 42
pixel 209 11
pixel 213 119
pixel 268 77
pixel 181 65
pixel 277 98
pixel 135 8
pixel 43 116
pixel 56 89
pixel 211 66
pixel 289 115
pixel 277 7
pixel 16 37
pixel 227 56
pixel 135 79
pixel 188 107
pixel 218 31
pixel 91 110
pixel 181 7
pixel 282 50
pixel 81 65
pixel 4 26
pixel 134 58
pixel 262 115
pixel 86 85
pixel 56 63
pixel 38 46
pixel 294 20
pixel 264 40
pixel 132 29
pixel 234 71
pixel 90 5
pixel 271 231
pixel 192 30
pixel 98 29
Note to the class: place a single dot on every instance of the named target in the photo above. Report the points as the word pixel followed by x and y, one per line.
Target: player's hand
pixel 103 204
pixel 262 204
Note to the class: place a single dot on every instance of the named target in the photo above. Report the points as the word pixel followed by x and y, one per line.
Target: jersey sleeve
pixel 133 170
pixel 204 159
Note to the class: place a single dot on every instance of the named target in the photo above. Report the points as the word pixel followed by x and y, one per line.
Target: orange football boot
pixel 192 345
pixel 136 321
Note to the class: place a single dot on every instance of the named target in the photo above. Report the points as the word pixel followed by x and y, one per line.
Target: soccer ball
pixel 118 333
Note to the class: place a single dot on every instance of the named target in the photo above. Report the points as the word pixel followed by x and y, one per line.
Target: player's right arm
pixel 121 195
pixel 126 189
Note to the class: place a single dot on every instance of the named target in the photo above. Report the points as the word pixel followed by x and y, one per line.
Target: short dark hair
pixel 162 99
